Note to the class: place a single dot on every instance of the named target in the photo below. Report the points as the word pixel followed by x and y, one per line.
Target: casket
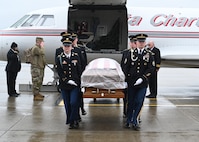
pixel 103 78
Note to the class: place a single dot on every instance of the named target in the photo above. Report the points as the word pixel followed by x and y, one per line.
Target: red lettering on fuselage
pixel 165 20
pixel 134 21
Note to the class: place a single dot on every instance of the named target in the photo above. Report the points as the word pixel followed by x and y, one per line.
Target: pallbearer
pixel 69 71
pixel 125 54
pixel 138 68
pixel 80 50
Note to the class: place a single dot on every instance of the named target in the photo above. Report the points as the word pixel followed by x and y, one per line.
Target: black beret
pixel 13 45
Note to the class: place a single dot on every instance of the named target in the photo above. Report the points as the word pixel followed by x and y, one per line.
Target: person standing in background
pixel 12 68
pixel 153 78
pixel 37 68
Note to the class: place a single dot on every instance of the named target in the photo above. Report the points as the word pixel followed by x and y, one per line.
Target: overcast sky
pixel 12 10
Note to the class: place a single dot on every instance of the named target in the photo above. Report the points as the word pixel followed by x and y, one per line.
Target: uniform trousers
pixel 37 79
pixel 11 82
pixel 71 104
pixel 125 102
pixel 135 102
pixel 153 84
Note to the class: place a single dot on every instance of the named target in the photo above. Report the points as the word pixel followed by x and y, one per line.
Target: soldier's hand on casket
pixel 138 81
pixel 71 82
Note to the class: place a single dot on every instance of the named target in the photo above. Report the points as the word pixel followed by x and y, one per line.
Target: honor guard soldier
pixel 83 57
pixel 125 53
pixel 59 50
pixel 138 68
pixel 153 78
pixel 79 49
pixel 69 71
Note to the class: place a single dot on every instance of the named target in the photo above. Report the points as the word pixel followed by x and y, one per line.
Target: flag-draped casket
pixel 103 76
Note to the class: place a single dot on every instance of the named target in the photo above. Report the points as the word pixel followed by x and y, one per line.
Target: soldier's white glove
pixel 83 90
pixel 138 81
pixel 71 82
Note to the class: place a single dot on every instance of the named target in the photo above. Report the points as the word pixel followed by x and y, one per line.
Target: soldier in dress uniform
pixel 125 53
pixel 83 57
pixel 59 50
pixel 69 71
pixel 138 68
pixel 79 49
pixel 153 78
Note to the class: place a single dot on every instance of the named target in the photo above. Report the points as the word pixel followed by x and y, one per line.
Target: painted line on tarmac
pixel 145 105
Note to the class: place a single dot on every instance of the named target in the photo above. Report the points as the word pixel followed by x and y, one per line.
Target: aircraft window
pixel 46 20
pixel 31 21
pixel 20 21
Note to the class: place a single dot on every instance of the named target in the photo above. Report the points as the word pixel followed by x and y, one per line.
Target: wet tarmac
pixel 172 117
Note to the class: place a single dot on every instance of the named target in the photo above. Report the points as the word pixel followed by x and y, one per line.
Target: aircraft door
pixel 101 27
pixel 97 2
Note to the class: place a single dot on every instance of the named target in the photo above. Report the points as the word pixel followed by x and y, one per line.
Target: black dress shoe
pixel 13 95
pixel 150 96
pixel 135 127
pixel 76 124
pixel 79 120
pixel 127 125
pixel 71 126
pixel 84 112
pixel 18 93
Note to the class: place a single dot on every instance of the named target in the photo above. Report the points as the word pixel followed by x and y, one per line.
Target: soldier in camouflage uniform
pixel 37 68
